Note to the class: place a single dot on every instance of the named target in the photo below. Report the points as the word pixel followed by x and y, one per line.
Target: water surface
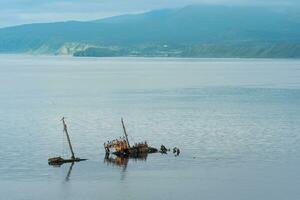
pixel 236 121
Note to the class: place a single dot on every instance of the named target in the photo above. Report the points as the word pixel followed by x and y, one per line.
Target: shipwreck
pixel 58 161
pixel 122 148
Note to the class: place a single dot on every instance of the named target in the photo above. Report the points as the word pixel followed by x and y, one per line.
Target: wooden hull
pixel 57 161
pixel 135 152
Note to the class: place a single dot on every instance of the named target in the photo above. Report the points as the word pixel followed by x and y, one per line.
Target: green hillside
pixel 193 31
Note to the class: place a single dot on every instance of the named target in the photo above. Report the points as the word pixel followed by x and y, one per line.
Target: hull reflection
pixel 122 161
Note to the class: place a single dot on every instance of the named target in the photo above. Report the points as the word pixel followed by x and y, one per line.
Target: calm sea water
pixel 237 123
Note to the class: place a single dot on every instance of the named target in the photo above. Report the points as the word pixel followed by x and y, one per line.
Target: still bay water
pixel 236 121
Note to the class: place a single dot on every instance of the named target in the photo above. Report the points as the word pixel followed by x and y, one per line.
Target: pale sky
pixel 13 12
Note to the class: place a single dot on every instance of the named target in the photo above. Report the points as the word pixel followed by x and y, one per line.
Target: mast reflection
pixel 69 172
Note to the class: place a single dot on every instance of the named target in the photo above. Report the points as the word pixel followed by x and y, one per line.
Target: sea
pixel 235 121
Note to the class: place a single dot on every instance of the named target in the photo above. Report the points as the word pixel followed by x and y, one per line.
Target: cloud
pixel 14 12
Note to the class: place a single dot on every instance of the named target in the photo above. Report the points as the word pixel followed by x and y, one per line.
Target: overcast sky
pixel 13 12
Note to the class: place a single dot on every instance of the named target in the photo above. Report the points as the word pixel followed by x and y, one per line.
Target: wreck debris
pixel 176 151
pixel 163 149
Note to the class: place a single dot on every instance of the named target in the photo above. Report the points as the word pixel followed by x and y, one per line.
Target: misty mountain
pixel 193 31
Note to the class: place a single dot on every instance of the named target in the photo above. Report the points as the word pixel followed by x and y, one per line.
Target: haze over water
pixel 236 121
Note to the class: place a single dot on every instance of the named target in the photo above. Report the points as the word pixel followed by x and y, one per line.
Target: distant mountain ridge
pixel 192 31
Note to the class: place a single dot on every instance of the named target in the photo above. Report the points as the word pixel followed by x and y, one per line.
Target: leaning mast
pixel 125 133
pixel 68 137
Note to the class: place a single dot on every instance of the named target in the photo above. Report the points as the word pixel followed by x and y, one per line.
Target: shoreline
pixel 29 55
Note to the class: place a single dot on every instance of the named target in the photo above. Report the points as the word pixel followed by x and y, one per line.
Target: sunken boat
pixel 58 161
pixel 122 148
